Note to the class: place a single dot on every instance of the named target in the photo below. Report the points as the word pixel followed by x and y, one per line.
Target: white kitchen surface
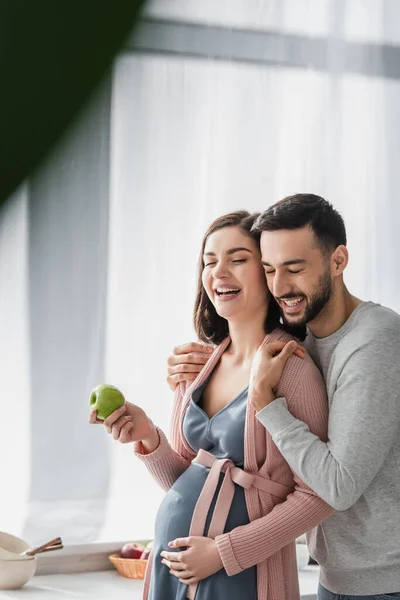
pixel 104 585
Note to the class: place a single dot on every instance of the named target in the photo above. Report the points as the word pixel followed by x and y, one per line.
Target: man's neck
pixel 335 313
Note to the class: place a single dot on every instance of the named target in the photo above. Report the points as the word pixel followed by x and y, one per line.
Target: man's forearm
pixel 310 458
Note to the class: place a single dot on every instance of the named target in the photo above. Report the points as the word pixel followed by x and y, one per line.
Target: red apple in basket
pixel 131 550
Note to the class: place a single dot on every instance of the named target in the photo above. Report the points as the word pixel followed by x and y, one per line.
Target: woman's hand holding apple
pixel 128 424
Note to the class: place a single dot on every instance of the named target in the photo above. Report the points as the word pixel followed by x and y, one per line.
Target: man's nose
pixel 279 286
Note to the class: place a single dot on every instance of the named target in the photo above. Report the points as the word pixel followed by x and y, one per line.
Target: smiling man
pixel 356 344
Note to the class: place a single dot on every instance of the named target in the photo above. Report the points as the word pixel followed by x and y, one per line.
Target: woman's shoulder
pixel 298 372
pixel 279 334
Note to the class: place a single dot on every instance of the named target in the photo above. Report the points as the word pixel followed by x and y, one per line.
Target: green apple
pixel 104 399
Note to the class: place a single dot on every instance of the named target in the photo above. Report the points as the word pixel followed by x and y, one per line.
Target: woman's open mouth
pixel 226 294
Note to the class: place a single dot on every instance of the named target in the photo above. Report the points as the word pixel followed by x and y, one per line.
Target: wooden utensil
pixel 55 544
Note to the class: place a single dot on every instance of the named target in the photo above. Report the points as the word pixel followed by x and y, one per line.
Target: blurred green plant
pixel 52 55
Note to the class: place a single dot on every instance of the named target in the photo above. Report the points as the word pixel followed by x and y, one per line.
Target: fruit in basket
pixel 132 550
pixel 104 399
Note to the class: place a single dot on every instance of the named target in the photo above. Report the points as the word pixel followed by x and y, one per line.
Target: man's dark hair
pixel 209 325
pixel 300 210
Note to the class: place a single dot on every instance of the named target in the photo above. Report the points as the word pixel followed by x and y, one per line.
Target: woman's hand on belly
pixel 200 560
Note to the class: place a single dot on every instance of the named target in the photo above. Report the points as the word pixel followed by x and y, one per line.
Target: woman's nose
pixel 220 270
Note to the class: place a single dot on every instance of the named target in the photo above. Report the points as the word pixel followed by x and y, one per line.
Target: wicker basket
pixel 134 568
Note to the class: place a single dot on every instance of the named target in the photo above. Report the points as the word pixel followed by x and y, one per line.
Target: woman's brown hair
pixel 209 326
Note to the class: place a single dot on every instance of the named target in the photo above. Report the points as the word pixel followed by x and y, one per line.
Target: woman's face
pixel 233 276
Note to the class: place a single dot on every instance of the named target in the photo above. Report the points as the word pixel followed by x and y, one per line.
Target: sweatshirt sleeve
pixel 364 422
pixel 302 510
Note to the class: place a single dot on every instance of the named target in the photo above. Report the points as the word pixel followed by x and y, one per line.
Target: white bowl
pixel 15 573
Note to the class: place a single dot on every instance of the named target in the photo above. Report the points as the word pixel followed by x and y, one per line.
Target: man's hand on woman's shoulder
pixel 267 368
pixel 186 362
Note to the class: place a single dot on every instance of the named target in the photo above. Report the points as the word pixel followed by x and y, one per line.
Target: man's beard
pixel 315 305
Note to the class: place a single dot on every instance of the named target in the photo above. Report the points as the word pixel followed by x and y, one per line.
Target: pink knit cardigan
pixel 268 540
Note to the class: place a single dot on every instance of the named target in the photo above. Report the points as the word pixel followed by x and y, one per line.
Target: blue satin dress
pixel 223 436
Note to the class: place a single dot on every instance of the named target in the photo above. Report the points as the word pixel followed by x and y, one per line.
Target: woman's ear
pixel 339 260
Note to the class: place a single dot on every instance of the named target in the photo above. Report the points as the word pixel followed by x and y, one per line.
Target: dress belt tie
pixel 233 475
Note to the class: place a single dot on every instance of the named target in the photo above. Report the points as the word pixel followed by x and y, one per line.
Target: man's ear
pixel 339 260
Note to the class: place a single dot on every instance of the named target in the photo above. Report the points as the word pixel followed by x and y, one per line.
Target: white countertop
pixel 103 585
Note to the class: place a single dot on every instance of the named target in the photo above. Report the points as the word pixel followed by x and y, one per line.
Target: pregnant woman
pixel 233 508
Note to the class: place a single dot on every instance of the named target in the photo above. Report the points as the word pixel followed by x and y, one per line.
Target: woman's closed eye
pixel 236 261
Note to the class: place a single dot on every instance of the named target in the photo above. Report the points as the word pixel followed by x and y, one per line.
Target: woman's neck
pixel 246 338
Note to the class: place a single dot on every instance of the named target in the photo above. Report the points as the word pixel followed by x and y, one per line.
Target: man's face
pixel 298 274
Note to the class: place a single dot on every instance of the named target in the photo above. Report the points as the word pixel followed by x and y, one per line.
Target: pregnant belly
pixel 175 513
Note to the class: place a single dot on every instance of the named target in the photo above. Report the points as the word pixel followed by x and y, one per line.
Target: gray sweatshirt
pixel 358 470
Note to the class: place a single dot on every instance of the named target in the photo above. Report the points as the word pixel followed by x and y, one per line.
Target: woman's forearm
pixel 163 462
pixel 152 442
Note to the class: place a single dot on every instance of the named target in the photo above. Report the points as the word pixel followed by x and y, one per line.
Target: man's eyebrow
pixel 230 251
pixel 294 261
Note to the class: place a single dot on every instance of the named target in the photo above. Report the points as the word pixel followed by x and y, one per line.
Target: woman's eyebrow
pixel 230 251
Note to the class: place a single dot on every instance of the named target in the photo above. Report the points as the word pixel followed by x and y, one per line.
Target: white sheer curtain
pixel 190 139
pixel 361 20
pixel 15 399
